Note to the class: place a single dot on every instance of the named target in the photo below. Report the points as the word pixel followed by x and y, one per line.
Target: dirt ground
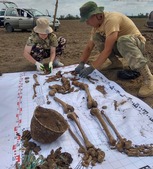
pixel 76 33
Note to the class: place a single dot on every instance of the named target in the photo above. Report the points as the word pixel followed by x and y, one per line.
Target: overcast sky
pixel 65 7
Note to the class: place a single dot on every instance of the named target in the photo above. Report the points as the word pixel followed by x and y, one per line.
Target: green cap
pixel 88 9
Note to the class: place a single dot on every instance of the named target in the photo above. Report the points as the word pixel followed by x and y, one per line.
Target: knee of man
pixel 123 41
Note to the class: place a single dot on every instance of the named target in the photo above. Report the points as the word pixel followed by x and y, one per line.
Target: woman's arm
pixel 52 53
pixel 26 54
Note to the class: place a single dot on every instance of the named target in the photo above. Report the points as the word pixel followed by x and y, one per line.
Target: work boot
pixel 147 85
pixel 57 63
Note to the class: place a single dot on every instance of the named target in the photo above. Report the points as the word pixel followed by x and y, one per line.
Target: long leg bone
pixel 90 101
pixel 126 145
pixel 73 117
pixel 82 148
pixel 95 112
pixel 85 160
pixel 122 143
pixel 67 108
pixel 93 155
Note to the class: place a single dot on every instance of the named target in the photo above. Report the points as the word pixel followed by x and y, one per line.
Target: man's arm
pixel 85 55
pixel 52 53
pixel 109 43
pixel 27 55
pixel 87 51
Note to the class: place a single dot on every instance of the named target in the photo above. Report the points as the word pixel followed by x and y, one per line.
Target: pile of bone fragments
pixel 91 154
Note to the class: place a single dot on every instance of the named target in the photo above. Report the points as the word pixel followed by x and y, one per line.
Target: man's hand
pixel 40 66
pixel 50 66
pixel 86 71
pixel 79 67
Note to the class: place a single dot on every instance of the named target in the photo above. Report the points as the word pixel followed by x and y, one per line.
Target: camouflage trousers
pixel 39 53
pixel 129 47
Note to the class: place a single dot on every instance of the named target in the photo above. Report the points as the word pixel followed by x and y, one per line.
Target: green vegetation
pixel 141 15
pixel 71 17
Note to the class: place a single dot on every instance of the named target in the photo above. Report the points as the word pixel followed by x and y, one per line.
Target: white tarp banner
pixel 133 119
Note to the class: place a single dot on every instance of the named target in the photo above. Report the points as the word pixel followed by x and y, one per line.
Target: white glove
pixel 50 66
pixel 40 66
